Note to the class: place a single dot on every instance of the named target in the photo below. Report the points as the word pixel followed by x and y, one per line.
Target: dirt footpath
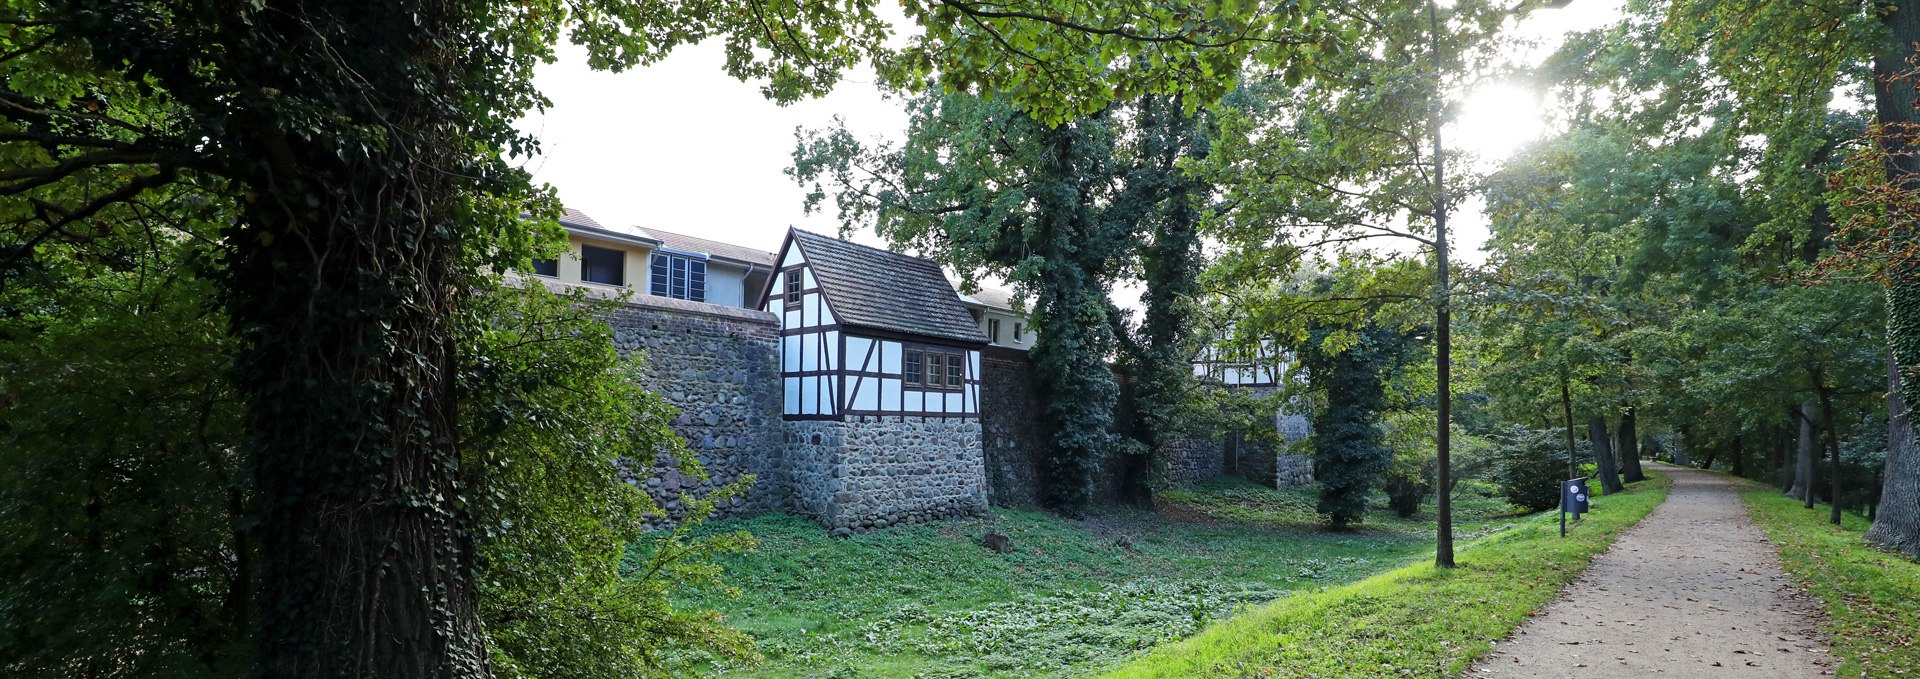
pixel 1694 590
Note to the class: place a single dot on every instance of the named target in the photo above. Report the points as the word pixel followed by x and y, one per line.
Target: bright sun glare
pixel 1495 120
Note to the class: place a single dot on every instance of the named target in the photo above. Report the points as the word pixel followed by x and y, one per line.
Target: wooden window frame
pixel 918 369
pixel 792 283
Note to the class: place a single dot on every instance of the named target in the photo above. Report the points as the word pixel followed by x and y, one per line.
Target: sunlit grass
pixel 1415 621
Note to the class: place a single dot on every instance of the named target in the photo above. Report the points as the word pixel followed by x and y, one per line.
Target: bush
pixel 1530 465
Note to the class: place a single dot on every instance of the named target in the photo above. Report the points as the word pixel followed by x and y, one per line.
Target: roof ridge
pixel 863 246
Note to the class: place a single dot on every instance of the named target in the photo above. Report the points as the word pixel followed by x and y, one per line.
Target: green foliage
pixel 117 360
pixel 550 414
pixel 1350 455
pixel 1868 594
pixel 1532 463
pixel 1418 620
pixel 117 430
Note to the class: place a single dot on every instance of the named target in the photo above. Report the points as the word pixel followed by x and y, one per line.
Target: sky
pixel 682 147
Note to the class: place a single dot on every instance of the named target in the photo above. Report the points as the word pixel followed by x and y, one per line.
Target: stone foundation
pixel 879 471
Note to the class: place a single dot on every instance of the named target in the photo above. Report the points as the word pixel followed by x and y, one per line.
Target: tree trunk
pixel 1566 410
pixel 1833 448
pixel 1739 454
pixel 1898 521
pixel 1602 454
pixel 1777 460
pixel 343 287
pixel 1896 518
pixel 1680 450
pixel 1630 447
pixel 1803 457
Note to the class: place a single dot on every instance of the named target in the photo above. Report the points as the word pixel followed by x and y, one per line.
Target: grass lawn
pixel 1414 621
pixel 1872 597
pixel 1073 599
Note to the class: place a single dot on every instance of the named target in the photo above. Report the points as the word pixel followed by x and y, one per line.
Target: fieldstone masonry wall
pixel 1193 460
pixel 720 366
pixel 905 469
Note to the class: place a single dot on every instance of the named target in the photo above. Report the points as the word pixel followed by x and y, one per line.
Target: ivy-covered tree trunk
pixel 1603 455
pixel 1350 456
pixel 1898 521
pixel 343 292
pixel 1803 456
pixel 1160 195
pixel 1074 335
pixel 1630 447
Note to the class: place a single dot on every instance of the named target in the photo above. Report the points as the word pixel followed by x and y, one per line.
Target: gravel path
pixel 1694 590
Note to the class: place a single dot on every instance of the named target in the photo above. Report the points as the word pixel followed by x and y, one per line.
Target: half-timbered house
pixel 880 364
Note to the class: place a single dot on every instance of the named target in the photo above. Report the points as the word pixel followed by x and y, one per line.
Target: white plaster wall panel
pixel 809 352
pixel 793 257
pixel 953 404
pixel 866 393
pixel 858 354
pixel 833 351
pixel 890 358
pixel 807 280
pixel 810 395
pixel 790 353
pixel 792 396
pixel 890 394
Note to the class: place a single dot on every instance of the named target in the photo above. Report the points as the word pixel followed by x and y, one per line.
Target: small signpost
pixel 1573 500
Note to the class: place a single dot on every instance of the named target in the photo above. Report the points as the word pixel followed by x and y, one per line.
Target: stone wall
pixel 1192 460
pixel 1012 436
pixel 811 466
pixel 720 367
pixel 908 469
pixel 874 472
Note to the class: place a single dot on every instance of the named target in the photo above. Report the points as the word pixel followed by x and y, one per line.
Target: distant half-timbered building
pixel 880 365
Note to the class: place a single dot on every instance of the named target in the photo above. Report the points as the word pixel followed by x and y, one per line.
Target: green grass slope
pixel 1415 621
pixel 1073 599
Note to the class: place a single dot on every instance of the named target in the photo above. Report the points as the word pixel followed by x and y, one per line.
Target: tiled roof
pixel 574 217
pixel 873 288
pixel 715 248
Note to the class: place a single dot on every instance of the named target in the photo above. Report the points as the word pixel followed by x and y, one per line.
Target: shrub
pixel 1530 465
